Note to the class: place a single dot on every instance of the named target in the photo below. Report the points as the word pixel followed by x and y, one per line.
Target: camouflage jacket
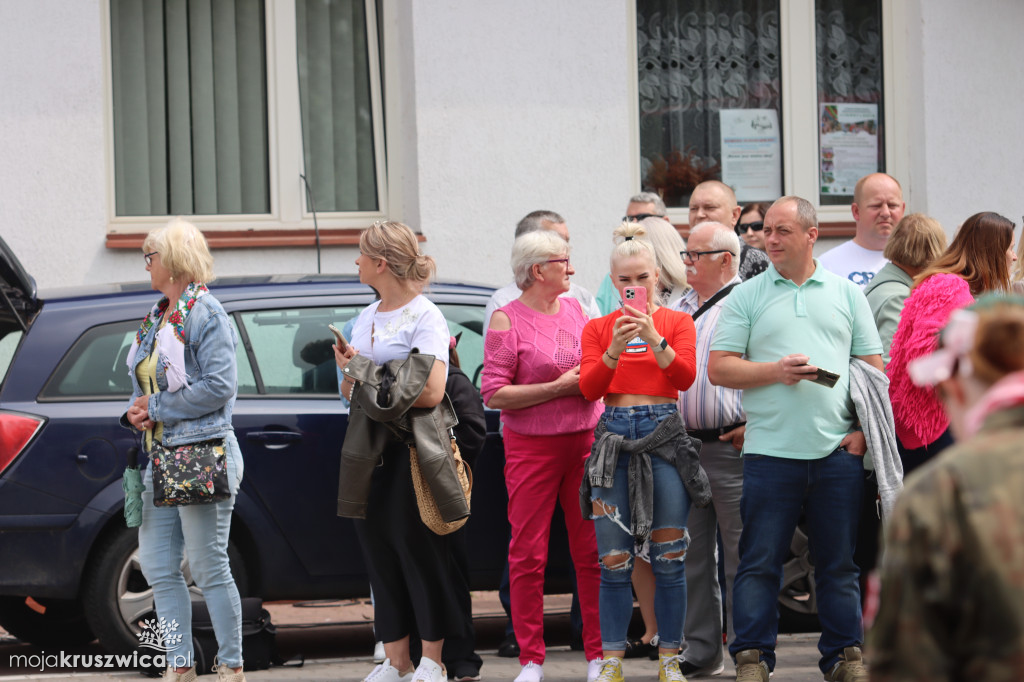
pixel 952 595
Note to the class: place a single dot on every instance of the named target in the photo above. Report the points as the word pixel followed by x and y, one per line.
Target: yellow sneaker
pixel 668 668
pixel 611 670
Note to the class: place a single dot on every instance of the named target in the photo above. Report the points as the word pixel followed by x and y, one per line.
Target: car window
pixel 8 344
pixel 96 365
pixel 467 320
pixel 246 378
pixel 291 350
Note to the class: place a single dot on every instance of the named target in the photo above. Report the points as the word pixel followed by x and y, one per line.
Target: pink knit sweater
pixel 537 349
pixel 919 416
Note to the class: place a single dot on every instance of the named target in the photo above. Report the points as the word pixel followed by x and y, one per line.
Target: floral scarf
pixel 170 340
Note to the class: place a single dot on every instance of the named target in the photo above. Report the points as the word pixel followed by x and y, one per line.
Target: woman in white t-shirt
pixel 409 566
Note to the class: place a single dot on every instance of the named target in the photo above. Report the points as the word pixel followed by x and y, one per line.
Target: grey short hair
pixel 535 220
pixel 535 248
pixel 723 238
pixel 650 198
pixel 805 213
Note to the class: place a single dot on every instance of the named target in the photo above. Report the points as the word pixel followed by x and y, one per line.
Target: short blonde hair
pixel 631 241
pixel 916 241
pixel 183 250
pixel 535 248
pixel 396 244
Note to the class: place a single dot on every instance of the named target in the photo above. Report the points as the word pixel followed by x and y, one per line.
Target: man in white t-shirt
pixel 540 220
pixel 877 206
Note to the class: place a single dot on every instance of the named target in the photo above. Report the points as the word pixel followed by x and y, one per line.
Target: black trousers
pixel 414 578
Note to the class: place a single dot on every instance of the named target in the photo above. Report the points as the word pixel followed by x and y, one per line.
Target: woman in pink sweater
pixel 977 261
pixel 531 373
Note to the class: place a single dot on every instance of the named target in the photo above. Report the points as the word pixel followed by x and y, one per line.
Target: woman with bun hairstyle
pixel 638 361
pixel 951 603
pixel 977 261
pixel 410 567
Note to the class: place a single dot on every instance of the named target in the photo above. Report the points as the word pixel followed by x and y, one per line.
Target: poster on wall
pixel 751 153
pixel 849 146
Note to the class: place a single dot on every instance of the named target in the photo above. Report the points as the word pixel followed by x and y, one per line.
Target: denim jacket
pixel 201 410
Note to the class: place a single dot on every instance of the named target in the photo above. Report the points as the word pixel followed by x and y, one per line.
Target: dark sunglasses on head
pixel 756 226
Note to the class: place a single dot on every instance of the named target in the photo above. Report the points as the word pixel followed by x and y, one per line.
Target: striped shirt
pixel 704 405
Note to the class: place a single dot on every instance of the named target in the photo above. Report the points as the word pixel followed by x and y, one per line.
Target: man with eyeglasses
pixel 877 206
pixel 714 415
pixel 715 201
pixel 644 205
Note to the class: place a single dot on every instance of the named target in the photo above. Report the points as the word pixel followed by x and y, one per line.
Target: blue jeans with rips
pixel 612 523
pixel 775 489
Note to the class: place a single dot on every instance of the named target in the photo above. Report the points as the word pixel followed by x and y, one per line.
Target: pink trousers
pixel 538 471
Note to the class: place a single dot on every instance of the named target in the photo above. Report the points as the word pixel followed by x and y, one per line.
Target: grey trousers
pixel 702 630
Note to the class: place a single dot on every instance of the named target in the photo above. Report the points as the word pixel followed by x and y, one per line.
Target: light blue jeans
pixel 671 507
pixel 201 531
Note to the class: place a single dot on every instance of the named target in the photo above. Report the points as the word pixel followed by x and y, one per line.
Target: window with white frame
pixel 249 111
pixel 770 97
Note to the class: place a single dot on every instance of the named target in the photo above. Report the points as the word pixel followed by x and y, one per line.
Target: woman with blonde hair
pixel 915 242
pixel 977 261
pixel 643 468
pixel 410 567
pixel 182 367
pixel 667 246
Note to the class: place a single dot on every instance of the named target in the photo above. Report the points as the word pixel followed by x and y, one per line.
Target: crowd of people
pixel 722 386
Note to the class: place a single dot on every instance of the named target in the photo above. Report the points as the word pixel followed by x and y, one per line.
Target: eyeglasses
pixel 695 255
pixel 639 216
pixel 756 226
pixel 149 257
pixel 559 260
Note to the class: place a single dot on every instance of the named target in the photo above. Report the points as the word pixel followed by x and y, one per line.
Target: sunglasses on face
pixel 639 216
pixel 756 226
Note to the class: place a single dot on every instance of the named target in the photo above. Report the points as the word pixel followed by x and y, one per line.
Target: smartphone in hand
pixel 636 298
pixel 342 344
pixel 825 378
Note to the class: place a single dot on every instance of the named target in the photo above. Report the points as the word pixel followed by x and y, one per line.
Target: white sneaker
pixel 594 669
pixel 429 671
pixel 385 672
pixel 531 672
pixel 378 652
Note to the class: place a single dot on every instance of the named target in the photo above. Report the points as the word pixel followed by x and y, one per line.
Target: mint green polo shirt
pixel 828 319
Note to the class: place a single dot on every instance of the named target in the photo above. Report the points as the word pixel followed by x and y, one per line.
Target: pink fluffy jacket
pixel 919 416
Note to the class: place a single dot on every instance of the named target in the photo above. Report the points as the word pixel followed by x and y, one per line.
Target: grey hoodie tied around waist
pixel 668 441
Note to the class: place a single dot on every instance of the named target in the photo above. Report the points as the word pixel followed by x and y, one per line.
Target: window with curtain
pixel 849 50
pixel 335 98
pixel 696 59
pixel 190 107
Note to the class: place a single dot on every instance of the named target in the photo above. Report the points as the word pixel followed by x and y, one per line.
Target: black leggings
pixel 414 580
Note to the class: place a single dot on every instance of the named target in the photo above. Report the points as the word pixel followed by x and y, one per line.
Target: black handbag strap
pixel 719 295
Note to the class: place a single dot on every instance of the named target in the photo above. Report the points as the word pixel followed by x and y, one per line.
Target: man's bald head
pixel 714 201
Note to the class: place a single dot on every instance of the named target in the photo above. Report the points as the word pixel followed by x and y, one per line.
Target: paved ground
pixel 336 640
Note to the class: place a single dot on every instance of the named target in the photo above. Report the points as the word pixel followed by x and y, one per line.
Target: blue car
pixel 70 566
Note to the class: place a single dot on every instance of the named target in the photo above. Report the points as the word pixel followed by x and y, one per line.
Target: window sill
pixel 241 239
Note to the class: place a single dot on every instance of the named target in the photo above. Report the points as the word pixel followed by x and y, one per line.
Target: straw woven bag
pixel 429 513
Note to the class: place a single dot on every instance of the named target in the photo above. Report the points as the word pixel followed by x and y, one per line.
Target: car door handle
pixel 274 440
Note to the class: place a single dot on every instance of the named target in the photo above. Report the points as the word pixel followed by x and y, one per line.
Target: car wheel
pixel 117 597
pixel 798 599
pixel 62 622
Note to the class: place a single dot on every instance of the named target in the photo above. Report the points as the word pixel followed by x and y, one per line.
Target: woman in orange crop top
pixel 638 361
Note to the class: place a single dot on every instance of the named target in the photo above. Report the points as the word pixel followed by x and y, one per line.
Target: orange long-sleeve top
pixel 637 370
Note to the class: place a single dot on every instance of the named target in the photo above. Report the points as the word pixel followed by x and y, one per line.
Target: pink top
pixel 919 416
pixel 537 349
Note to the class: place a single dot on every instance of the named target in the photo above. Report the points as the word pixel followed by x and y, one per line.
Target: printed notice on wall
pixel 849 146
pixel 751 153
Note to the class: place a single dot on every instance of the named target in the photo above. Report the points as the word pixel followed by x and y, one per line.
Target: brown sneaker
pixel 750 667
pixel 850 668
pixel 171 676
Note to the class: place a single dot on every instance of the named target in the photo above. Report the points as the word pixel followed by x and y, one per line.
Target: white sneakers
pixel 171 676
pixel 385 672
pixel 378 652
pixel 531 672
pixel 429 671
pixel 594 669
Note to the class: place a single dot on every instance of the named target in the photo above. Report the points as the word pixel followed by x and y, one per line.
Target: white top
pixel 419 324
pixel 511 292
pixel 853 262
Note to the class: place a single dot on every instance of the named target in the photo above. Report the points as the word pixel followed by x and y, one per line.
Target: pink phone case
pixel 635 297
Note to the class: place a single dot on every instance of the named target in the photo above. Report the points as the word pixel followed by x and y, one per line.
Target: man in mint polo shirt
pixel 802 450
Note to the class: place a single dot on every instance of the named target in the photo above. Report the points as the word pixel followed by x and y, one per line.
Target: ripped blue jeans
pixel 669 538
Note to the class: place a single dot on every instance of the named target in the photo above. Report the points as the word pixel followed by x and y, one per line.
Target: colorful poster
pixel 751 153
pixel 849 146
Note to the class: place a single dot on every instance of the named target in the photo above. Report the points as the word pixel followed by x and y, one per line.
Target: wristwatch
pixel 661 346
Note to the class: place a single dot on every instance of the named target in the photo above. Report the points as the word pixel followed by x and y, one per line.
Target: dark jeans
pixel 775 490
